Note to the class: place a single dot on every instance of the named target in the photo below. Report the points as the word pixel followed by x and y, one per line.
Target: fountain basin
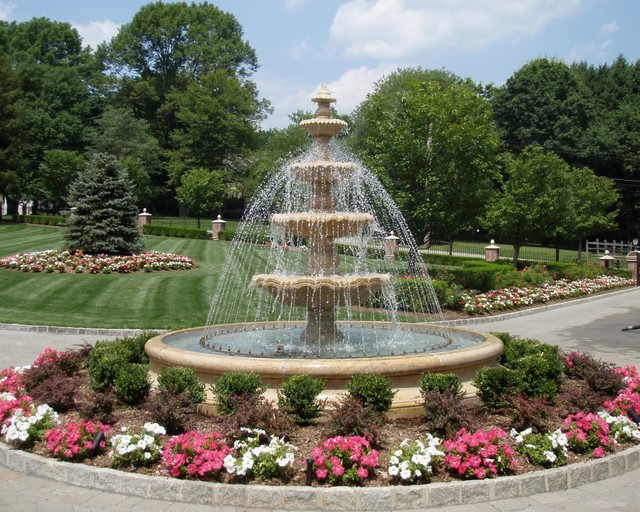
pixel 404 371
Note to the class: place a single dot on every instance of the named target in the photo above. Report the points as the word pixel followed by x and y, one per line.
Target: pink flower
pixel 362 472
pixel 598 452
pixel 322 473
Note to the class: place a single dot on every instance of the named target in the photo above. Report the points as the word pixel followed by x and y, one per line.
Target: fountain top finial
pixel 323 95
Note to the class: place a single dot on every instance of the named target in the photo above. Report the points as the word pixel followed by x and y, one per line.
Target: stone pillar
pixel 217 226
pixel 144 218
pixel 492 252
pixel 632 264
pixel 390 246
pixel 607 260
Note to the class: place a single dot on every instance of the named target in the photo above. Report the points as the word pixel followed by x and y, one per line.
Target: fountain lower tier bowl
pixel 400 352
pixel 321 292
pixel 320 224
pixel 323 171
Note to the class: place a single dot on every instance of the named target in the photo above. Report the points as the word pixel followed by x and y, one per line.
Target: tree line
pixel 550 156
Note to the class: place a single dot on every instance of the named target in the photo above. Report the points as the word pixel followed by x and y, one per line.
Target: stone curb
pixel 463 321
pixel 89 331
pixel 322 498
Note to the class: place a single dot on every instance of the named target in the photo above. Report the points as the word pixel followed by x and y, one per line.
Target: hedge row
pixel 49 220
pixel 151 229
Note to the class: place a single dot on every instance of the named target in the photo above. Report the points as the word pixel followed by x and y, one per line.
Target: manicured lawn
pixel 144 300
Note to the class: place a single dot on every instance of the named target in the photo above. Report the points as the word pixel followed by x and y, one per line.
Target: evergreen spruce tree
pixel 104 219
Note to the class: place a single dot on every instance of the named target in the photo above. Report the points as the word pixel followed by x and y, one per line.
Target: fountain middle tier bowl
pixel 323 171
pixel 400 352
pixel 322 127
pixel 321 291
pixel 327 225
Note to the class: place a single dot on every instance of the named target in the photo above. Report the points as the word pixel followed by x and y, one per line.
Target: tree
pixel 534 201
pixel 216 120
pixel 120 134
pixel 11 164
pixel 54 74
pixel 201 192
pixel 543 103
pixel 166 47
pixel 55 175
pixel 434 146
pixel 104 213
pixel 593 202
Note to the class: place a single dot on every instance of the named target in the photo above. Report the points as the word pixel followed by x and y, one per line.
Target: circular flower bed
pixel 589 417
pixel 515 297
pixel 80 263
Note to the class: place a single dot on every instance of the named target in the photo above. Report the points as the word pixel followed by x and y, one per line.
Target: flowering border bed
pixel 340 460
pixel 516 297
pixel 80 263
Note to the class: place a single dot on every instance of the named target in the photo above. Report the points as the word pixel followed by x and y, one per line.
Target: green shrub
pixel 182 381
pixel 299 397
pixel 108 357
pixel 132 383
pixel 495 386
pixel 48 220
pixel 477 275
pixel 373 390
pixel 151 229
pixel 225 234
pixel 517 348
pixel 440 382
pixel 540 376
pixel 232 384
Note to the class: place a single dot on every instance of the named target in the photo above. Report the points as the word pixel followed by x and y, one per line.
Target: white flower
pixel 393 470
pixel 550 456
pixel 394 460
pixel 405 474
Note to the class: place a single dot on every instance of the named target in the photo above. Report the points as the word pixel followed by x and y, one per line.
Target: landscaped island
pixel 540 409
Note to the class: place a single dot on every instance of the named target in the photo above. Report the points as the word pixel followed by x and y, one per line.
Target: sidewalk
pixel 593 326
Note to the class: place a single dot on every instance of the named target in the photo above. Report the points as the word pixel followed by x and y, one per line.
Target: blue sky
pixel 350 44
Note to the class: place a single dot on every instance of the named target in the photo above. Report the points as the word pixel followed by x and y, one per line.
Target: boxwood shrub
pixel 234 384
pixel 179 380
pixel 373 390
pixel 152 229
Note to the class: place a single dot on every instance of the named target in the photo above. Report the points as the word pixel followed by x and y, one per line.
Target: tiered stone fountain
pixel 325 347
pixel 321 290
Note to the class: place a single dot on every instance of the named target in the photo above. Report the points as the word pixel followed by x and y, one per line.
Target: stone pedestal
pixel 492 252
pixel 390 246
pixel 607 260
pixel 632 264
pixel 217 226
pixel 144 218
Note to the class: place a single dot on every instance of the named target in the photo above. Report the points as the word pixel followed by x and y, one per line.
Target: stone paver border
pixel 322 498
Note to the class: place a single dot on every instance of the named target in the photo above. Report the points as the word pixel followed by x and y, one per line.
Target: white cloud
pixel 96 32
pixel 598 48
pixel 395 29
pixel 300 49
pixel 350 89
pixel 5 10
pixel 609 28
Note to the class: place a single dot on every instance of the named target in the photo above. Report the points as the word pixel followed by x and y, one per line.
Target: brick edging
pixel 322 498
pixel 89 331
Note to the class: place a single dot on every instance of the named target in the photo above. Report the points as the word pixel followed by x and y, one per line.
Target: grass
pixel 156 300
